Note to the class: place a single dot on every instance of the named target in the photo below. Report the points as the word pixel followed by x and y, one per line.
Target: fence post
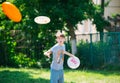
pixel 91 59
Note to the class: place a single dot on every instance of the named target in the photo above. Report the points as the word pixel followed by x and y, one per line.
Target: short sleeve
pixel 51 49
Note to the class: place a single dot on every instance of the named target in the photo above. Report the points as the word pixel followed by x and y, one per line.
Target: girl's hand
pixel 72 55
pixel 47 54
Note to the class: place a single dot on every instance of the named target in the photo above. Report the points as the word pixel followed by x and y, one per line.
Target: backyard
pixel 24 42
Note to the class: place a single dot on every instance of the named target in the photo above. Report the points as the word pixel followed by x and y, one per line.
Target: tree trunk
pixel 72 39
pixel 73 46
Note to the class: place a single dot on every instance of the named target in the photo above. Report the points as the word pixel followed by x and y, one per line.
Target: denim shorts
pixel 57 76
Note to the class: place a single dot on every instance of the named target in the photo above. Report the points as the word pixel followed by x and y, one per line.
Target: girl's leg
pixel 54 76
pixel 61 76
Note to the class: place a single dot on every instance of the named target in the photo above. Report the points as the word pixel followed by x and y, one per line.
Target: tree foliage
pixel 32 39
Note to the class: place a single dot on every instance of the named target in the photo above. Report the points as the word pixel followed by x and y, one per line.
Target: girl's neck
pixel 60 44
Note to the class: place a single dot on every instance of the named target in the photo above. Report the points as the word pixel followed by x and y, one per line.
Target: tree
pixel 67 13
pixel 64 15
pixel 99 19
pixel 25 35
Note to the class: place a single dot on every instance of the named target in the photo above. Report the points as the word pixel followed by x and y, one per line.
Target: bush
pixel 21 60
pixel 92 55
pixel 83 52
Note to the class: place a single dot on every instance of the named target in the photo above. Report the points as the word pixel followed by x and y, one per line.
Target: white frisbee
pixel 73 62
pixel 42 19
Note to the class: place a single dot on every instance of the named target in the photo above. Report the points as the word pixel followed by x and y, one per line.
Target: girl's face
pixel 60 40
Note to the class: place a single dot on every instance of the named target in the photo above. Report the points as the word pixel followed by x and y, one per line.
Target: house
pixel 86 28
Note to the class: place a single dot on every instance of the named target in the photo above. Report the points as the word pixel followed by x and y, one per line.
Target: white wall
pixel 112 8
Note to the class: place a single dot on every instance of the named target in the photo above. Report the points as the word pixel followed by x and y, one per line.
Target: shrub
pixel 21 60
pixel 92 55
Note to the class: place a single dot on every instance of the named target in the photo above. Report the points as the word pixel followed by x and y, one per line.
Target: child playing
pixel 58 51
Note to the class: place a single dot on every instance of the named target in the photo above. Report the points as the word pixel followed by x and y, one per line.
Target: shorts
pixel 57 76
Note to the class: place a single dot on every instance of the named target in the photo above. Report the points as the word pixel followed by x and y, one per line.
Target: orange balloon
pixel 11 11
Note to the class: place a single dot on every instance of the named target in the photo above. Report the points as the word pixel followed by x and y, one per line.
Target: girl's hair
pixel 62 36
pixel 59 34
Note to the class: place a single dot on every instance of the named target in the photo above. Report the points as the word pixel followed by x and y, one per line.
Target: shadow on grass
pixel 7 76
pixel 103 72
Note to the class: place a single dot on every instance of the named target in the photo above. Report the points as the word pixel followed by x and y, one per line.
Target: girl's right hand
pixel 47 54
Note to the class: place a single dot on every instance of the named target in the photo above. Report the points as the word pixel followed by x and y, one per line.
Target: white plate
pixel 42 19
pixel 73 62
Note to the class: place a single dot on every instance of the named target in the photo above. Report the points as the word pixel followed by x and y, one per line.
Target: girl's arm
pixel 48 53
pixel 69 54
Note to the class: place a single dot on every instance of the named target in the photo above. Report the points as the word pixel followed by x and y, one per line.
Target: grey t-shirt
pixel 58 57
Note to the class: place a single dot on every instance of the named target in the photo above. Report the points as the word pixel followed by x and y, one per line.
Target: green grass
pixel 13 75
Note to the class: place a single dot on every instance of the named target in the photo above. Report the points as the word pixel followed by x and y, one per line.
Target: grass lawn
pixel 14 75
